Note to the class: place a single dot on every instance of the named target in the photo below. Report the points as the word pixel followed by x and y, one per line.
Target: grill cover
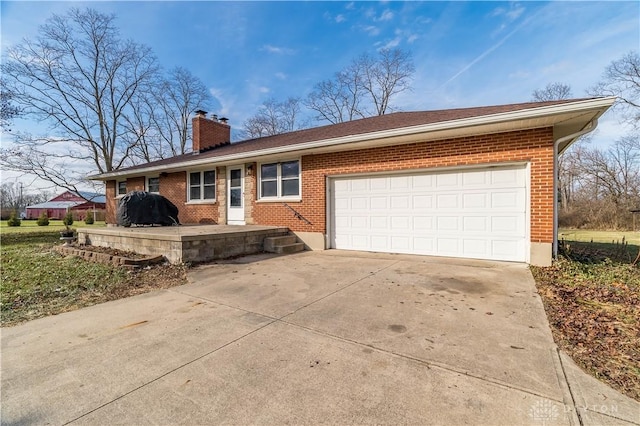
pixel 144 208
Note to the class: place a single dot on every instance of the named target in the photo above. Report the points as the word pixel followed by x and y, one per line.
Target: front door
pixel 235 195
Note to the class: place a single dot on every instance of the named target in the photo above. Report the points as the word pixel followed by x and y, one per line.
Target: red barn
pixel 79 203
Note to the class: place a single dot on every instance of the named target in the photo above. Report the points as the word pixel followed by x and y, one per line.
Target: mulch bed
pixel 109 256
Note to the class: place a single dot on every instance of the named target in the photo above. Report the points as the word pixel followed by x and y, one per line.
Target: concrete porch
pixel 184 243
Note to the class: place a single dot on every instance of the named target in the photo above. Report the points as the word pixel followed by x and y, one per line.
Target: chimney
pixel 209 133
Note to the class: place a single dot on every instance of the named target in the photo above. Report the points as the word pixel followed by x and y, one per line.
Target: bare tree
pixel 273 118
pixel 178 96
pixel 552 92
pixel 14 198
pixel 364 88
pixel 8 111
pixel 622 79
pixel 79 77
pixel 387 76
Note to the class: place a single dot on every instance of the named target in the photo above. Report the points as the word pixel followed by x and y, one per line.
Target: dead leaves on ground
pixel 594 313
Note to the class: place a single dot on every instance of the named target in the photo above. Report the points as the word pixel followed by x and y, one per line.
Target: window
pixel 202 185
pixel 153 184
pixel 280 180
pixel 122 188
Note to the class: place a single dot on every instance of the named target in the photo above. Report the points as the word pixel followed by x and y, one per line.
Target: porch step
pixel 283 245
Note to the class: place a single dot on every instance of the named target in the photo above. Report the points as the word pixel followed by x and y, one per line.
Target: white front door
pixel 235 195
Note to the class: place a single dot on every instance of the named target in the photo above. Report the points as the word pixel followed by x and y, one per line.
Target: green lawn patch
pixel 36 281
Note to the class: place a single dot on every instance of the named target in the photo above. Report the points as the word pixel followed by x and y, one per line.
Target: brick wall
pixel 173 186
pixel 112 203
pixel 534 146
pixel 209 133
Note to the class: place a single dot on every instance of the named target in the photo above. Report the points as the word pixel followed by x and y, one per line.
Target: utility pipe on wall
pixel 590 128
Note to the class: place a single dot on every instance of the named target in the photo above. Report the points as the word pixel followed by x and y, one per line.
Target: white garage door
pixel 479 213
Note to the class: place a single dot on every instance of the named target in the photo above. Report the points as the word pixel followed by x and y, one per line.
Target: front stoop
pixel 283 245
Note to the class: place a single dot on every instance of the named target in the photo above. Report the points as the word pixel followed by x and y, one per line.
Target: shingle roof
pixel 366 125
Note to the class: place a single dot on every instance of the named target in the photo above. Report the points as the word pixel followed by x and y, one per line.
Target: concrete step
pixel 289 248
pixel 271 242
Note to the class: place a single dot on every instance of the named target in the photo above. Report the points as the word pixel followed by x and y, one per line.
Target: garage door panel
pixel 447 201
pixel 422 181
pixel 476 213
pixel 475 224
pixel 507 200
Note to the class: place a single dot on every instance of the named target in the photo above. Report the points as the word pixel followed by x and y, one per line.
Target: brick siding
pixel 534 146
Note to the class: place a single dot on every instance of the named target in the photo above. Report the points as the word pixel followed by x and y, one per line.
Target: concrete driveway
pixel 318 337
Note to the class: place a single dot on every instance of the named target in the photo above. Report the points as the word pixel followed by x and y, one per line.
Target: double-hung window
pixel 280 180
pixel 202 186
pixel 122 188
pixel 153 185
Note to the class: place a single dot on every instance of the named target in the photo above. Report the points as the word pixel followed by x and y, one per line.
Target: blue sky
pixel 466 53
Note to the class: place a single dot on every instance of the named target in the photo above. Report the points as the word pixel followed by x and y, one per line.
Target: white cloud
pixel 280 76
pixel 371 30
pixel 392 43
pixel 226 104
pixel 277 49
pixel 340 18
pixel 387 15
pixel 412 38
pixel 263 89
pixel 350 6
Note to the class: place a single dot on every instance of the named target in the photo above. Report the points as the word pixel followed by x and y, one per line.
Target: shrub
pixel 43 220
pixel 68 219
pixel 89 219
pixel 13 220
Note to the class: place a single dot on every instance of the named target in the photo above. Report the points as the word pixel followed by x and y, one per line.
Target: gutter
pixel 591 126
pixel 525 114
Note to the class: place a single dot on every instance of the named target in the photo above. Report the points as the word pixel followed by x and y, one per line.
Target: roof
pixel 94 197
pixel 570 115
pixel 56 205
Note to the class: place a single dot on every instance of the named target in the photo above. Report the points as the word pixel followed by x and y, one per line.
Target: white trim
pixel 525 116
pixel 146 183
pixel 202 200
pixel 277 198
pixel 228 194
pixel 118 182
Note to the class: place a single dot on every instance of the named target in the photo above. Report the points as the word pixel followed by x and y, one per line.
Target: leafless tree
pixel 14 198
pixel 177 97
pixel 80 78
pixel 366 87
pixel 8 111
pixel 552 92
pixel 273 118
pixel 622 79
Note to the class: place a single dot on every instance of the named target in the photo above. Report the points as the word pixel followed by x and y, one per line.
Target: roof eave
pixel 521 119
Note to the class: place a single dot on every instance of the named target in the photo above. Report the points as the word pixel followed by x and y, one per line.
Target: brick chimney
pixel 209 133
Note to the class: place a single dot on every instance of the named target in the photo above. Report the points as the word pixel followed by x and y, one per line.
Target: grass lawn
pixel 591 296
pixel 37 282
pixel 54 225
pixel 587 235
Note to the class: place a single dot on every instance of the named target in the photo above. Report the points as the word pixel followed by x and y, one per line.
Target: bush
pixel 43 220
pixel 13 220
pixel 89 219
pixel 68 219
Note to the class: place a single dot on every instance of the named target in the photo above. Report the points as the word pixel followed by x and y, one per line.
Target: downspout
pixel 593 124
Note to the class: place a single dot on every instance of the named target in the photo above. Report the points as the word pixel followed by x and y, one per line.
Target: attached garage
pixel 473 213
